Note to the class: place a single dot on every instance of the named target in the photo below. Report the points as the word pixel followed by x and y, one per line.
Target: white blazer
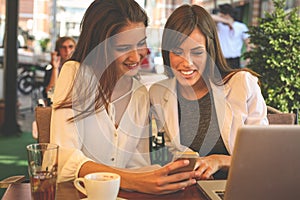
pixel 238 102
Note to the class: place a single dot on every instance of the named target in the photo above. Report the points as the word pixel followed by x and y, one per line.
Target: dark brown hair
pixel 102 20
pixel 227 9
pixel 181 24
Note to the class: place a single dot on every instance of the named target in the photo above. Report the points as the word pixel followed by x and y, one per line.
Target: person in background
pixel 64 48
pixel 232 35
pixel 100 110
pixel 204 102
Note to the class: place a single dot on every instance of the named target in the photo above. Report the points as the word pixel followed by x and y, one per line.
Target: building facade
pixel 52 18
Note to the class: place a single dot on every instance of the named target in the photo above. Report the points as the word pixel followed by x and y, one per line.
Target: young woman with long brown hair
pixel 204 102
pixel 100 110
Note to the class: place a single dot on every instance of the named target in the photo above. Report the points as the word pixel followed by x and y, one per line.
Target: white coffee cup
pixel 100 185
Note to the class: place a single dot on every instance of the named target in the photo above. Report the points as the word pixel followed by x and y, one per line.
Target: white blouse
pixel 95 137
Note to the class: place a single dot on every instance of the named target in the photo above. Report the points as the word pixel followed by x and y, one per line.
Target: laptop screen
pixel 265 164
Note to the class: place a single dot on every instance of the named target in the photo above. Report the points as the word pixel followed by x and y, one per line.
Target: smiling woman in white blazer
pixel 204 100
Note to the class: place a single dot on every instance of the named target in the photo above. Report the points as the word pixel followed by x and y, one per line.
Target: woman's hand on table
pixel 208 165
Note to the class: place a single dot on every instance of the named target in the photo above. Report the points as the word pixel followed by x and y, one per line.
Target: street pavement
pixel 25 114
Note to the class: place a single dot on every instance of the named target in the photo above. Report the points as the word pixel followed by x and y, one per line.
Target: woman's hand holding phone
pixel 188 155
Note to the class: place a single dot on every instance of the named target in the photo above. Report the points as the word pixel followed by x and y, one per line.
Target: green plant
pixel 276 56
pixel 44 44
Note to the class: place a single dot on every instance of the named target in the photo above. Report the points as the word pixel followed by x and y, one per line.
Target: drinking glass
pixel 42 169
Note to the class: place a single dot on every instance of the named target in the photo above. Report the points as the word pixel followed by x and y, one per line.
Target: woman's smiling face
pixel 188 61
pixel 129 49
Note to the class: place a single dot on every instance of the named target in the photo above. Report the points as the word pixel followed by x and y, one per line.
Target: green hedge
pixel 276 56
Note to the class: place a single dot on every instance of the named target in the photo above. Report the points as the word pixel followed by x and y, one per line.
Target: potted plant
pixel 276 56
pixel 44 44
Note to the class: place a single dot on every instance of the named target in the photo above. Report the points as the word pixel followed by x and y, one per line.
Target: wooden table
pixel 67 191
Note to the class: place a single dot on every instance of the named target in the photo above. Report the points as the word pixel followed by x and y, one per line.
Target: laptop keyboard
pixel 221 194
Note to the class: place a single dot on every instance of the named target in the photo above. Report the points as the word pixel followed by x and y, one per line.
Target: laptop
pixel 265 166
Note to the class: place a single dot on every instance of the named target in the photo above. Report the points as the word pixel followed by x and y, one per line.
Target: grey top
pixel 199 129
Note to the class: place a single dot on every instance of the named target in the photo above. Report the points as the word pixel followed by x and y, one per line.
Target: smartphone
pixel 187 155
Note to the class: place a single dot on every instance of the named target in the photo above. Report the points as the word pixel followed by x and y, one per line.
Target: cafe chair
pixel 43 119
pixel 275 116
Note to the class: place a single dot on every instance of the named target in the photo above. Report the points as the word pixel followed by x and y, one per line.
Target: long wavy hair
pixel 101 21
pixel 180 25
